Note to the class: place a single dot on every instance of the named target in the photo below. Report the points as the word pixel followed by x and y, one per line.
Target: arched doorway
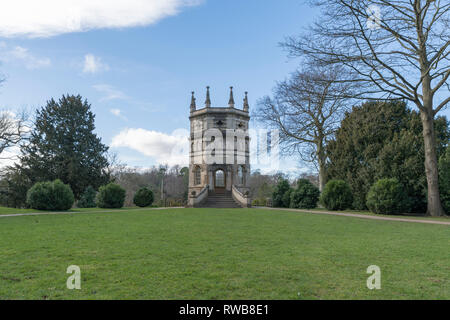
pixel 219 181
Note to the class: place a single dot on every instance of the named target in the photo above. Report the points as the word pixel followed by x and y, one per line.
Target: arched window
pixel 241 176
pixel 220 179
pixel 197 176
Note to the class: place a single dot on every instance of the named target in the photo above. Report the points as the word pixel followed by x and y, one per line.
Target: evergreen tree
pixel 383 140
pixel 444 180
pixel 87 199
pixel 281 196
pixel 63 146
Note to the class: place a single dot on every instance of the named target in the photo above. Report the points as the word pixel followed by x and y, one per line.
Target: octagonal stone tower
pixel 219 166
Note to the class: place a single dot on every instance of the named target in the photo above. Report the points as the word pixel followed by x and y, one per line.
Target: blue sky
pixel 138 77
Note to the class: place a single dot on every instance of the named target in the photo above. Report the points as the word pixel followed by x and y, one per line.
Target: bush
pixel 286 198
pixel 50 196
pixel 143 197
pixel 305 196
pixel 87 198
pixel 336 195
pixel 255 203
pixel 279 196
pixel 387 196
pixel 444 180
pixel 111 196
pixel 259 202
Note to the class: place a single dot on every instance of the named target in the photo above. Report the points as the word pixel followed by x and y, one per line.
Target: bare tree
pixel 393 49
pixel 12 130
pixel 306 109
pixel 175 183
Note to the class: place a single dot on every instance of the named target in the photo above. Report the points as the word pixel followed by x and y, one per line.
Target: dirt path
pixel 363 216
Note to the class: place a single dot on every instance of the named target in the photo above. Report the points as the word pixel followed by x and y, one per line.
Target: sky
pixel 137 61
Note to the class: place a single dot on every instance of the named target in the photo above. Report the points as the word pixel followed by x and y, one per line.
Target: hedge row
pixel 386 196
pixel 57 196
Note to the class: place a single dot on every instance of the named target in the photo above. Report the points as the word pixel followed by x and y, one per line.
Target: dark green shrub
pixel 50 196
pixel 388 196
pixel 279 196
pixel 286 199
pixel 305 196
pixel 87 198
pixel 111 196
pixel 39 196
pixel 336 195
pixel 143 197
pixel 444 180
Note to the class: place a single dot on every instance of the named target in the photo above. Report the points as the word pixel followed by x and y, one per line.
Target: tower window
pixel 197 176
pixel 241 178
pixel 220 179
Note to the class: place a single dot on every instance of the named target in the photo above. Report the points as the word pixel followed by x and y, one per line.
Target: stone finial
pixel 231 101
pixel 208 98
pixel 246 106
pixel 193 104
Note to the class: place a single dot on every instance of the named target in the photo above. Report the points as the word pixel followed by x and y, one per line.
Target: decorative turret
pixel 208 98
pixel 219 153
pixel 193 104
pixel 231 101
pixel 246 106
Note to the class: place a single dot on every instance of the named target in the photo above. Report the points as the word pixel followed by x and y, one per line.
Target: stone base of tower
pixel 207 198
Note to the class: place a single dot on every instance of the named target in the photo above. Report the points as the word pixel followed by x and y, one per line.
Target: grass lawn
pixel 403 216
pixel 220 254
pixel 5 210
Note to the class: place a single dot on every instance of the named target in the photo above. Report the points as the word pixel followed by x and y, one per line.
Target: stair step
pixel 220 200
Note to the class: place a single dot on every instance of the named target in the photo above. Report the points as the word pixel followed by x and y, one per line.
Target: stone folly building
pixel 219 166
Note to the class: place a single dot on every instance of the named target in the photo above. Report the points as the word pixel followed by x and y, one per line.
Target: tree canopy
pixel 383 140
pixel 393 49
pixel 63 145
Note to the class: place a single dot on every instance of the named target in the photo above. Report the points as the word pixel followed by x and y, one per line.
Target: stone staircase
pixel 220 200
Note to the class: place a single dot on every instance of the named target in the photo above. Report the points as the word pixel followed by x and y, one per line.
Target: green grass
pixel 220 254
pixel 5 210
pixel 402 216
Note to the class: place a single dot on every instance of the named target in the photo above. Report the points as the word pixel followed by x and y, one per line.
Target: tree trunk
pixel 434 207
pixel 322 180
pixel 321 163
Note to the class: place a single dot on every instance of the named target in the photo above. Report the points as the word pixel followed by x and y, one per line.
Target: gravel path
pixel 363 216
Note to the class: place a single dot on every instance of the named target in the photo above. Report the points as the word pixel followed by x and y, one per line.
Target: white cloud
pixel 168 149
pixel 9 157
pixel 93 64
pixel 23 56
pixel 118 113
pixel 110 93
pixel 46 18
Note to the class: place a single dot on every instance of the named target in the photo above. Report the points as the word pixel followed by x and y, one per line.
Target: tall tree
pixel 394 49
pixel 306 109
pixel 444 179
pixel 63 146
pixel 383 140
